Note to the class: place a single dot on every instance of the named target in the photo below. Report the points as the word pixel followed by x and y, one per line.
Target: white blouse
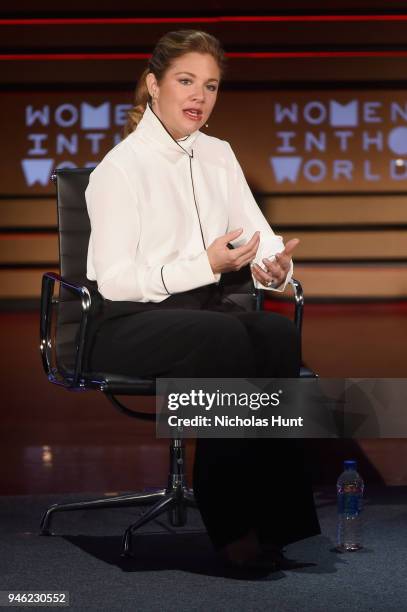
pixel 155 204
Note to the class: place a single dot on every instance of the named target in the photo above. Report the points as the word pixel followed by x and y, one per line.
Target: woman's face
pixel 186 94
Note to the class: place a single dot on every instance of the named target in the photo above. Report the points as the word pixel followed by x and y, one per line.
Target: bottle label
pixel 350 501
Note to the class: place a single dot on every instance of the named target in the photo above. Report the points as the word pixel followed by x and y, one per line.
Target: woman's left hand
pixel 275 271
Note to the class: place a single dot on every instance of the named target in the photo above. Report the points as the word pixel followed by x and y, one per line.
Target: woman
pixel 166 207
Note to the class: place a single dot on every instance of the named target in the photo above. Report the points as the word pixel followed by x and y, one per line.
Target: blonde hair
pixel 168 48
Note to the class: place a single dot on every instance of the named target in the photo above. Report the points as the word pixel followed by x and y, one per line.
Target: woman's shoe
pixel 245 554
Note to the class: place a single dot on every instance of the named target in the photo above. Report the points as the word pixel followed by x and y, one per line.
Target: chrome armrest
pixel 48 284
pixel 298 301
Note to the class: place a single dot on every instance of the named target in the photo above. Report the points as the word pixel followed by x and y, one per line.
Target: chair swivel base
pixel 174 500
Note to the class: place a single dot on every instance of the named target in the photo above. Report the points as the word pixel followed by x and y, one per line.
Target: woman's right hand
pixel 223 259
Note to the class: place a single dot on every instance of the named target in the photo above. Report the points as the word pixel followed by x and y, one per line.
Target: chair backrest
pixel 73 233
pixel 73 222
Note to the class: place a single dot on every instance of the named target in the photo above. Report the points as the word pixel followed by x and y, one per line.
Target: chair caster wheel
pixel 127 555
pixel 46 532
pixel 127 552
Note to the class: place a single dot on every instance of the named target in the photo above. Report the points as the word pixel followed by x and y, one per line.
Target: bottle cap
pixel 350 464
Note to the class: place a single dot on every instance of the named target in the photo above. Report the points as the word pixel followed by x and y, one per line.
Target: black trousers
pixel 239 484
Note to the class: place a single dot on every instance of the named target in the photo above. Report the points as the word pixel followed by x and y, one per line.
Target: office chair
pixel 62 343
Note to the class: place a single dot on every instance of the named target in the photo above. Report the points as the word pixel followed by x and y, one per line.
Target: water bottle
pixel 350 498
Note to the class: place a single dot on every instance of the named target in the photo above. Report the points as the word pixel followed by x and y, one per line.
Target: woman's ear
pixel 152 85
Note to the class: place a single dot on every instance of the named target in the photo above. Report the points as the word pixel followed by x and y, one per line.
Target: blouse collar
pixel 152 128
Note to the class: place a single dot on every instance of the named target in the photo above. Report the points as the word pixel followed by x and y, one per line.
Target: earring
pixel 206 125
